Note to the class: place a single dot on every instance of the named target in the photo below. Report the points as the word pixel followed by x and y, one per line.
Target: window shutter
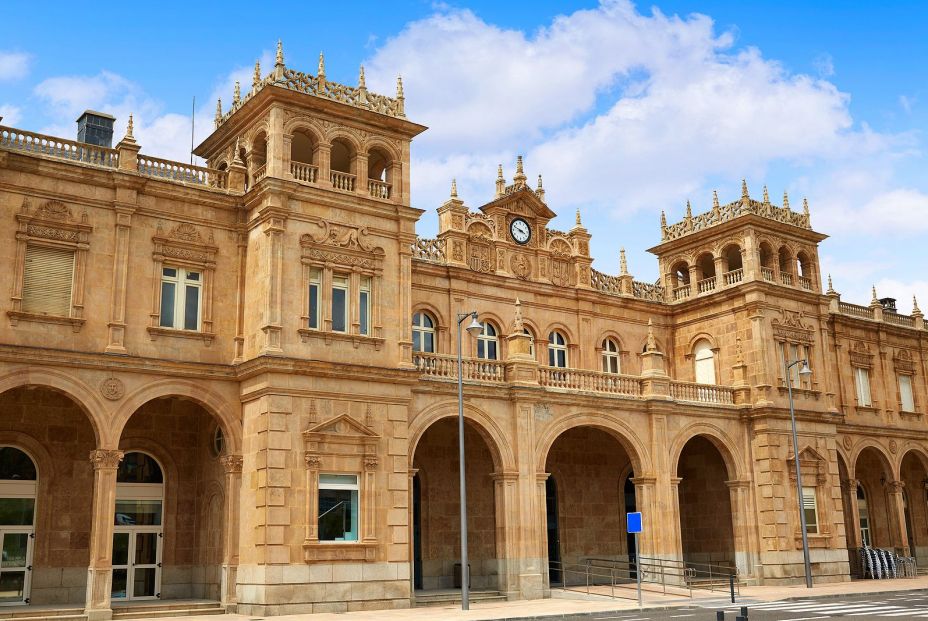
pixel 47 281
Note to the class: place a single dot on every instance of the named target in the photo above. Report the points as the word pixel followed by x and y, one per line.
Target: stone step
pixel 427 599
pixel 153 612
pixel 44 615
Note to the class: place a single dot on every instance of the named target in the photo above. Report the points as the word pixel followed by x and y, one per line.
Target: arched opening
pixel 611 356
pixel 705 263
pixel 45 510
pixel 258 158
pixel 706 528
pixel 423 337
pixel 914 474
pixel 766 261
pixel 379 173
pixel 488 342
pixel 557 350
pixel 342 161
pixel 587 515
pixel 173 479
pixel 874 512
pixel 805 270
pixel 680 277
pixel 785 260
pixel 304 159
pixel 438 521
pixel 734 273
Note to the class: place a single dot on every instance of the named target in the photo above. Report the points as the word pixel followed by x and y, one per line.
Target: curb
pixel 838 595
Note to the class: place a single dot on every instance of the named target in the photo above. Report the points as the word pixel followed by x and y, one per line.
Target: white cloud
pixel 10 114
pixel 825 65
pixel 14 65
pixel 906 102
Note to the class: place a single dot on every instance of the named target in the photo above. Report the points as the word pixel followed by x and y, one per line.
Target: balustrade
pixel 864 312
pixel 432 250
pixel 378 189
pixel 49 146
pixel 681 293
pixel 767 274
pixel 589 381
pixel 182 173
pixel 899 320
pixel 805 283
pixel 706 284
pixel 304 172
pixel 446 367
pixel 260 173
pixel 786 278
pixel 342 181
pixel 734 276
pixel 702 393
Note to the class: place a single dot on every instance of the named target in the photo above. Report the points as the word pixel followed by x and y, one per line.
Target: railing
pixel 701 393
pixel 706 284
pixel 681 293
pixel 49 146
pixel 786 278
pixel 590 381
pixel 182 173
pixel 864 312
pixel 897 319
pixel 260 173
pixel 712 576
pixel 378 189
pixel 767 274
pixel 446 367
pixel 342 181
pixel 734 276
pixel 432 250
pixel 805 283
pixel 304 172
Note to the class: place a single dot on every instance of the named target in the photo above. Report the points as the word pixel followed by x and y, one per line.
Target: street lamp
pixel 473 329
pixel 804 372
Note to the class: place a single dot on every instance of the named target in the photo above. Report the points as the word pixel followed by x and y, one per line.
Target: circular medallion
pixel 847 442
pixel 112 388
pixel 893 447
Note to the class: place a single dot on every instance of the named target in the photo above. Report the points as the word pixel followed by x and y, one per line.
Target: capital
pixel 103 459
pixel 231 463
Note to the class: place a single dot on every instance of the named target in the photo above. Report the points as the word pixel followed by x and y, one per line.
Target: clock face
pixel 520 230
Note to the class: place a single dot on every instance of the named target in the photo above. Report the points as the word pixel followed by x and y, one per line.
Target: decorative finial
pixel 361 83
pixel 320 72
pixel 129 126
pixel 517 324
pixel 454 188
pixel 237 94
pixel 540 190
pixel 256 77
pixel 652 342
pixel 831 289
pixel 577 219
pixel 766 196
pixel 663 219
pixel 874 300
pixel 623 265
pixel 689 211
pixel 237 156
pixel 499 173
pixel 280 53
pixel 399 87
pixel 916 311
pixel 519 170
pixel 785 199
pixel 805 206
pixel 500 182
pixel 218 118
pixel 744 190
pixel 715 200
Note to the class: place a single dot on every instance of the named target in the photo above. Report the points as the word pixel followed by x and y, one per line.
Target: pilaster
pixel 100 570
pixel 232 465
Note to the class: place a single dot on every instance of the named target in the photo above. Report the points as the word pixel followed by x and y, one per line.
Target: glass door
pixel 136 563
pixel 15 565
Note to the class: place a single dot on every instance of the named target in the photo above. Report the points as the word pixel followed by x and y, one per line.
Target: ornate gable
pixel 790 327
pixel 860 354
pixel 903 363
pixel 342 244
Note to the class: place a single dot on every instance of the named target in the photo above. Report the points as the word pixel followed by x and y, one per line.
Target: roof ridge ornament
pixel 831 289
pixel 500 182
pixel 237 95
pixel 785 200
pixel 320 72
pixel 766 197
pixel 540 190
pixel 454 188
pixel 745 196
pixel 256 76
pixel 218 118
pixel 279 58
pixel 623 263
pixel 916 311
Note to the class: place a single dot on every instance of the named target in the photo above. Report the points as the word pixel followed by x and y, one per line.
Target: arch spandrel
pixel 608 423
pixel 492 433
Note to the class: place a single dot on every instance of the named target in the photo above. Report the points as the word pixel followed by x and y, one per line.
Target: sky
pixel 626 109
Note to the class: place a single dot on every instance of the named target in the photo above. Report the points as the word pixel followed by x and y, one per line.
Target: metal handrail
pixel 690 572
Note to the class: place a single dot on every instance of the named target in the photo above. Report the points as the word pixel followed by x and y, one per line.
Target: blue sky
pixel 627 109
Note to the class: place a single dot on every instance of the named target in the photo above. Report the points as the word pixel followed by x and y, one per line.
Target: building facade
pixel 258 357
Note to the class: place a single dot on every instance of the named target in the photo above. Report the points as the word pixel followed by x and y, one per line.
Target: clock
pixel 520 230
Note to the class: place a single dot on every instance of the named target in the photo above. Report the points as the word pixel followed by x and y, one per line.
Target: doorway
pixel 18 479
pixel 630 508
pixel 417 533
pixel 554 542
pixel 138 532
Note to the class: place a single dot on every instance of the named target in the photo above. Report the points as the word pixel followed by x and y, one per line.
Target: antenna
pixel 193 109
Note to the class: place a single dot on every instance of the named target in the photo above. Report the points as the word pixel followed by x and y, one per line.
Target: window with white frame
pixel 863 516
pixel 906 394
pixel 704 362
pixel 862 384
pixel 488 342
pixel 364 306
pixel 810 509
pixel 315 298
pixel 789 353
pixel 557 350
pixel 338 507
pixel 423 333
pixel 611 362
pixel 181 292
pixel 339 303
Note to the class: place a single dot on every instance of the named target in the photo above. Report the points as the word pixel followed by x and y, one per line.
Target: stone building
pixel 258 358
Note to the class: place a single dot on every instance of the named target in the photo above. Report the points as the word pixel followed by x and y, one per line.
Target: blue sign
pixel 633 520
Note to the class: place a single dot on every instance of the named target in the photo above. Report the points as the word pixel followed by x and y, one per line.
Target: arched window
pixel 137 528
pixel 423 333
pixel 531 341
pixel 863 515
pixel 139 468
pixel 488 342
pixel 704 362
pixel 611 356
pixel 557 350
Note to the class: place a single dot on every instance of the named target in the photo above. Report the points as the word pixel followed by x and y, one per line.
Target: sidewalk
pixel 571 603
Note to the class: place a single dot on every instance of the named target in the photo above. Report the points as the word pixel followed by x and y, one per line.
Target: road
pixel 885 606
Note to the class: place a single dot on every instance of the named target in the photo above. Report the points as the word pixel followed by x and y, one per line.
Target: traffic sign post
pixel 633 525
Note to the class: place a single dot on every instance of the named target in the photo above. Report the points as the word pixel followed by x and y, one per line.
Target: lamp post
pixel 804 371
pixel 473 329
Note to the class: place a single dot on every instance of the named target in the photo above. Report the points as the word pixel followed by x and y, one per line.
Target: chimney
pixel 96 128
pixel 888 304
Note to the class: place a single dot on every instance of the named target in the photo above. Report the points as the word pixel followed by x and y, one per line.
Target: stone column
pixel 507 532
pixel 360 170
pixel 897 516
pixel 232 464
pixel 324 162
pixel 853 537
pixel 745 558
pixel 100 571
pixel 721 266
pixel 541 528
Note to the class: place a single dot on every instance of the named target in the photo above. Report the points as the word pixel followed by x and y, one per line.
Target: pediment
pixel 523 201
pixel 342 425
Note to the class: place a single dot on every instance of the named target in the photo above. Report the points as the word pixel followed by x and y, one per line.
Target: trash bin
pixel 457 575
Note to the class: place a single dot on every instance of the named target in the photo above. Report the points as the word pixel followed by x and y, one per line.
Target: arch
pixel 680 273
pixel 915 449
pixel 785 259
pixel 379 164
pixel 478 228
pixel 881 452
pixel 702 336
pixel 559 245
pixel 731 253
pixel 378 143
pixel 719 438
pixel 494 436
pixel 304 145
pixel 437 316
pixel 805 265
pixel 614 335
pixel 424 330
pixel 610 354
pixel 765 254
pixel 609 423
pixel 557 326
pixel 305 125
pixel 488 341
pixel 705 263
pixel 215 404
pixel 86 399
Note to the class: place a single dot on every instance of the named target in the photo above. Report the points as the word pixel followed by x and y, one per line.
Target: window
pixel 180 298
pixel 531 342
pixel 863 516
pixel 315 286
pixel 704 363
pixel 906 396
pixel 339 303
pixel 557 350
pixel 791 352
pixel 338 507
pixel 364 306
pixel 488 342
pixel 47 281
pixel 862 383
pixel 810 509
pixel 423 333
pixel 218 445
pixel 611 356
